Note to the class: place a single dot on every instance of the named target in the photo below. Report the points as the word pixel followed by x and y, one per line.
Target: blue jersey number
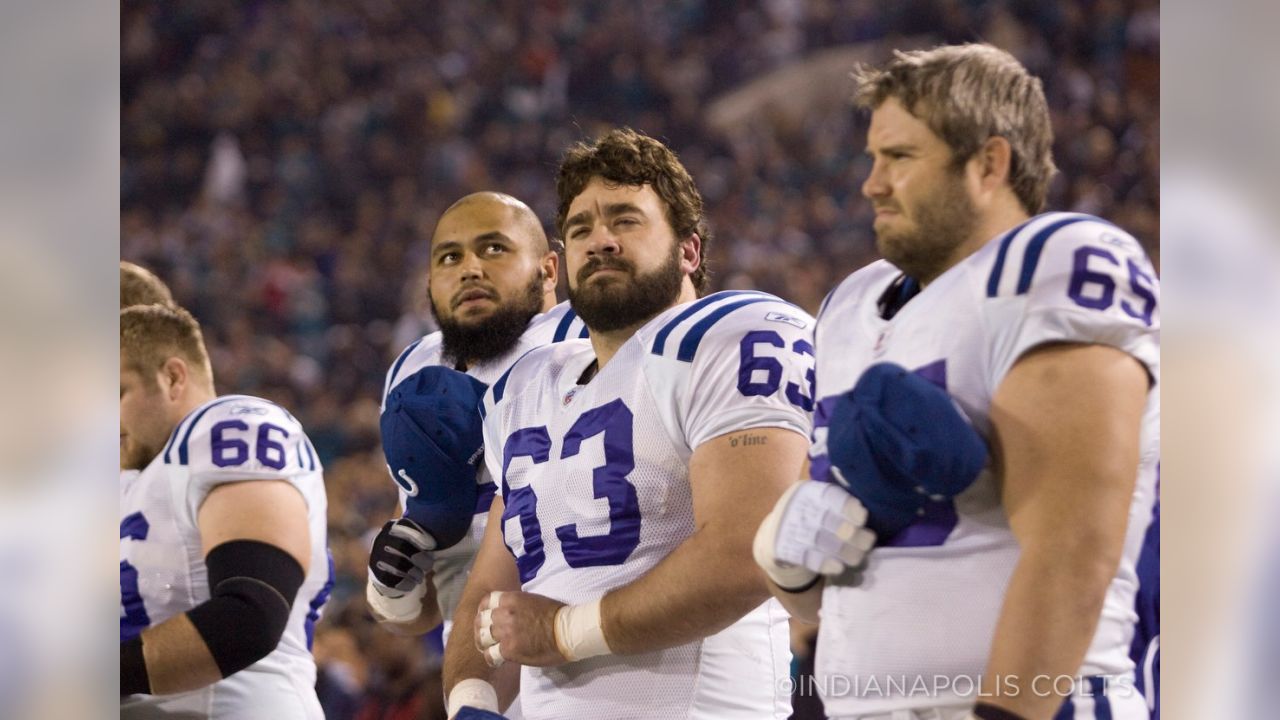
pixel 751 365
pixel 133 615
pixel 1096 290
pixel 535 444
pixel 232 451
pixel 609 482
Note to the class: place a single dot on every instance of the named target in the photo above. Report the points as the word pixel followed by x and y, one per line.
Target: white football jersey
pixel 595 484
pixel 930 596
pixel 232 438
pixel 454 564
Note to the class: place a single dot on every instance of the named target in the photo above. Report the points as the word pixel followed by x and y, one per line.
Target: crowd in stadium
pixel 283 165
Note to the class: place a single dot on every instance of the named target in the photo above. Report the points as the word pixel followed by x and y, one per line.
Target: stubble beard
pixel 942 224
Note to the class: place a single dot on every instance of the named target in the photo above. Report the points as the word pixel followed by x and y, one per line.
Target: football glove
pixel 400 558
pixel 816 528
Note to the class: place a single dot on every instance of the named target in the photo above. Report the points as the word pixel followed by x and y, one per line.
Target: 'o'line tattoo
pixel 748 439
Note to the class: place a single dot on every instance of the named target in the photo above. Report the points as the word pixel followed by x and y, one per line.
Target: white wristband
pixel 403 609
pixel 473 692
pixel 579 633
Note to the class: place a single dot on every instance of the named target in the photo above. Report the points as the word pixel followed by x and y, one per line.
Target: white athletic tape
pixel 579 633
pixel 475 693
pixel 493 655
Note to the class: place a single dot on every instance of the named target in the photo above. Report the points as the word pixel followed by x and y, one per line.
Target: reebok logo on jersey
pixel 247 410
pixel 779 317
pixel 1113 239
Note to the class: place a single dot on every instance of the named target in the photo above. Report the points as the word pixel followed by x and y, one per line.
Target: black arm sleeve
pixel 253 585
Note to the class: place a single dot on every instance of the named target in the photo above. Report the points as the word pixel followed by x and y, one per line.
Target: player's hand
pixel 518 627
pixel 815 528
pixel 897 442
pixel 400 558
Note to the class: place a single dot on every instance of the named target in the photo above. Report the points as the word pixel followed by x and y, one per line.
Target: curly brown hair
pixel 626 157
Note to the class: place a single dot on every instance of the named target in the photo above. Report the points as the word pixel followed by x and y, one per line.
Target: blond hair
pixel 968 94
pixel 151 334
pixel 140 286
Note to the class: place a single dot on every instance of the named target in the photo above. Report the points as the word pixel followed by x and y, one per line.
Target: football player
pixel 139 286
pixel 1004 593
pixel 492 279
pixel 223 567
pixel 632 468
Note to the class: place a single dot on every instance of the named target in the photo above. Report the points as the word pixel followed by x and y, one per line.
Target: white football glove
pixel 816 528
pixel 402 609
pixel 398 565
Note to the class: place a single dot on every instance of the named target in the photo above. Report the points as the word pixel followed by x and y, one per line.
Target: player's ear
pixel 995 162
pixel 174 377
pixel 691 253
pixel 550 265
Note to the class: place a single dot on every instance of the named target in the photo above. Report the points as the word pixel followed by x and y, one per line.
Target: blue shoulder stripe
pixel 311 457
pixel 1036 246
pixel 172 438
pixel 660 340
pixel 395 368
pixel 182 447
pixel 501 386
pixel 562 330
pixel 689 345
pixel 993 282
pixel 586 332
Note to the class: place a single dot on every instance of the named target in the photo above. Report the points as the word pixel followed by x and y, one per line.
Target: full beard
pixel 941 225
pixel 617 304
pixel 493 336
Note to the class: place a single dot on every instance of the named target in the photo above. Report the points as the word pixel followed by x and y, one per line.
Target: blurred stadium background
pixel 283 165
